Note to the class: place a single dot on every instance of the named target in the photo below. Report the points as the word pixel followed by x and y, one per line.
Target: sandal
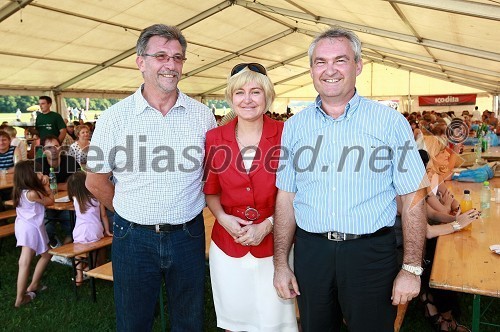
pixel 79 283
pixel 434 319
pixel 28 297
pixel 453 325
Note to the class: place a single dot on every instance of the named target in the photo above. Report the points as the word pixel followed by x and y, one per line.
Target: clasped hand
pixel 243 231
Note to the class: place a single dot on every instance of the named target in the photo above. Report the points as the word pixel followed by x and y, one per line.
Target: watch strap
pixel 416 270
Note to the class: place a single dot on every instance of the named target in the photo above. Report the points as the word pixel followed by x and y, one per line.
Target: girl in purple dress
pixel 31 194
pixel 91 220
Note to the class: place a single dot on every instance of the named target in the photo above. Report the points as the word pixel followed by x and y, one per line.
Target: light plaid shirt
pixel 156 160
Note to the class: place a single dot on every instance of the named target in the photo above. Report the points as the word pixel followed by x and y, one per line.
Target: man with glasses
pixel 64 166
pixel 348 157
pixel 155 157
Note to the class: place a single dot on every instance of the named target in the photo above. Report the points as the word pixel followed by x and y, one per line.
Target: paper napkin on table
pixel 495 248
pixel 63 199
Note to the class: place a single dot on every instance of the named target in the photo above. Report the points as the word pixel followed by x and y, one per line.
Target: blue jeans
pixel 142 258
pixel 62 217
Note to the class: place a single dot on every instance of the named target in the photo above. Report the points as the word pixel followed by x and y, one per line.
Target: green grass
pixel 56 308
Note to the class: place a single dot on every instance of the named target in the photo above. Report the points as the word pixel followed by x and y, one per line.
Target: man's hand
pixel 406 286
pixel 285 283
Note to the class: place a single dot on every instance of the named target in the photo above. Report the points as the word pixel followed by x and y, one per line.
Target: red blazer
pixel 226 175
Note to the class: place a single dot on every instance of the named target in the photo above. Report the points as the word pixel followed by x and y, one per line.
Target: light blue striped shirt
pixel 156 160
pixel 347 171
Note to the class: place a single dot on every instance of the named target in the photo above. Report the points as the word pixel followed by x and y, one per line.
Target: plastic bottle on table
pixel 466 205
pixel 485 199
pixel 53 181
pixel 488 141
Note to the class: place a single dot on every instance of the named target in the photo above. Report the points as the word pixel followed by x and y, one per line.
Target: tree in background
pixel 10 104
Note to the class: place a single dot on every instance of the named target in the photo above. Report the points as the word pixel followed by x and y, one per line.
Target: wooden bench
pixel 104 272
pixel 6 230
pixel 72 250
pixel 209 225
pixel 81 252
pixel 7 214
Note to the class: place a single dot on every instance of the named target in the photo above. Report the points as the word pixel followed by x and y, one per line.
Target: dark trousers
pixel 143 258
pixel 349 279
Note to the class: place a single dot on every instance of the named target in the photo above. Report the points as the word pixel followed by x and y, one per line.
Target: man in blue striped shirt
pixel 345 158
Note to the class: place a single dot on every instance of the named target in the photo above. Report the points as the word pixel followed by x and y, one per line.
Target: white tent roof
pixel 410 47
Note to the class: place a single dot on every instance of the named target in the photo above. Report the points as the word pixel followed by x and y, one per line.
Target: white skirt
pixel 244 295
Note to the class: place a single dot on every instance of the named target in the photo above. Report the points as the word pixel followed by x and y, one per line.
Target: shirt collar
pixel 141 103
pixel 351 107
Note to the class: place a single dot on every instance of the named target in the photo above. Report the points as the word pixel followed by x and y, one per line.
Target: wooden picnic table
pixel 463 261
pixel 6 181
pixel 492 154
pixel 67 205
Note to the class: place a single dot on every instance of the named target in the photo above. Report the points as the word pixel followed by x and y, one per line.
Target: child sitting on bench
pixel 91 220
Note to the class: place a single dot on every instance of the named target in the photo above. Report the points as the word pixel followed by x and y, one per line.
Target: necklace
pixel 243 145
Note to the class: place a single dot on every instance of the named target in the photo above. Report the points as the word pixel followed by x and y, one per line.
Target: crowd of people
pixel 297 217
pixel 436 123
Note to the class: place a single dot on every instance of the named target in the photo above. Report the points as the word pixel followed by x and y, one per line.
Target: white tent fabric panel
pixel 88 46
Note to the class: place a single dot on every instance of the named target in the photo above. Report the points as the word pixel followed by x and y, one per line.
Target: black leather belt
pixel 338 236
pixel 166 227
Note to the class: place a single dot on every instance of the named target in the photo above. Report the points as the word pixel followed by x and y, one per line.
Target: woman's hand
pixel 45 180
pixel 233 225
pixel 254 234
pixel 46 183
pixel 466 218
pixel 447 199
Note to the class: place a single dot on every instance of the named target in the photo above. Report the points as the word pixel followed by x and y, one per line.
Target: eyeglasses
pixel 163 57
pixel 255 67
pixel 51 147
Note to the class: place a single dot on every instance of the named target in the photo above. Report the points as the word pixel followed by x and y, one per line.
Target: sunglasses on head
pixel 255 67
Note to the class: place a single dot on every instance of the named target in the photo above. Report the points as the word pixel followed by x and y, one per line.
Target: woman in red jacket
pixel 242 158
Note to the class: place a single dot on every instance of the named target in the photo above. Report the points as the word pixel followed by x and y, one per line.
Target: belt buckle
pixel 336 236
pixel 252 214
pixel 157 228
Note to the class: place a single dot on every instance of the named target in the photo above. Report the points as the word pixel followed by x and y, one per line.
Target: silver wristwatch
pixel 456 226
pixel 416 270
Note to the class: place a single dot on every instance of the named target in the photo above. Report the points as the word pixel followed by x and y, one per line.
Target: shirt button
pixel 334 188
pixel 248 188
pixel 333 214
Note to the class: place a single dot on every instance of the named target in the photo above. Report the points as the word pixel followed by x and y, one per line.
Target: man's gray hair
pixel 168 32
pixel 337 32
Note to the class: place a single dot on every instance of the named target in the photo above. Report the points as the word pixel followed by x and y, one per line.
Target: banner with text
pixel 447 100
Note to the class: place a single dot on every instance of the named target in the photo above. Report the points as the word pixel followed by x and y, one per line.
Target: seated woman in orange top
pixel 241 162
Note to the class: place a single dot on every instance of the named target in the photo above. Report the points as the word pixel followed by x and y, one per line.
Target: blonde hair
pixel 237 81
pixel 79 128
pixel 434 145
pixel 11 131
